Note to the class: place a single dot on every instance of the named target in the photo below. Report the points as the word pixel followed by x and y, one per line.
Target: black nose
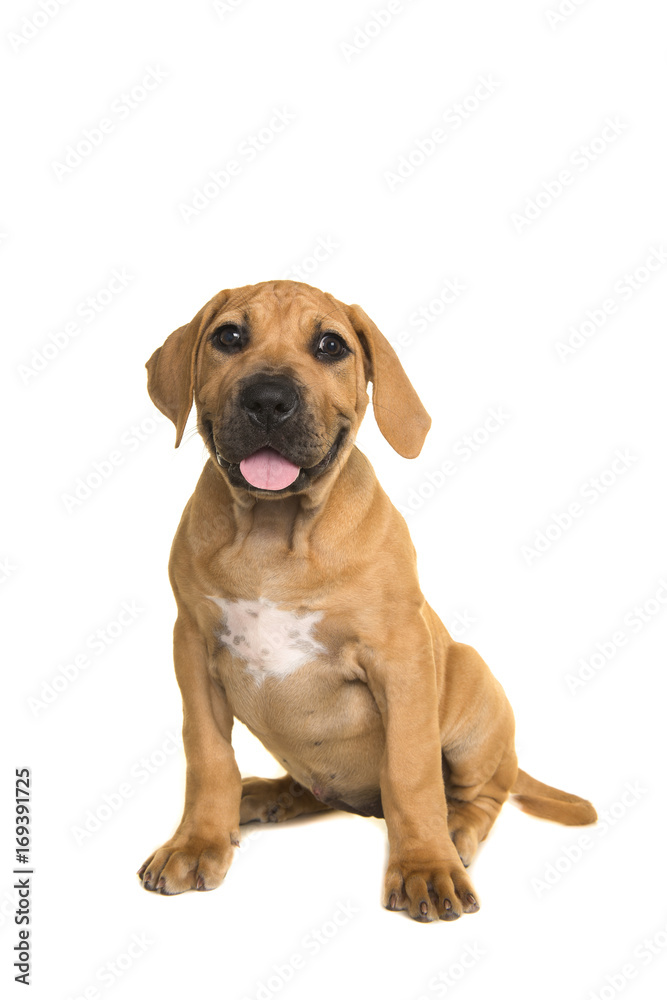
pixel 270 401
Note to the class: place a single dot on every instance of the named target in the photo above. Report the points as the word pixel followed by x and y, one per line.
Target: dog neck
pixel 301 522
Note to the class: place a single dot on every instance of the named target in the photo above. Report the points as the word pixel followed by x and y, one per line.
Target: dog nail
pixel 471 899
pixel 200 882
pixel 423 907
pixel 141 871
pixel 392 901
pixel 161 883
pixel 235 841
pixel 147 877
pixel 447 904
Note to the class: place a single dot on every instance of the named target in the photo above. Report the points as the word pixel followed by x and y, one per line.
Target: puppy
pixel 300 611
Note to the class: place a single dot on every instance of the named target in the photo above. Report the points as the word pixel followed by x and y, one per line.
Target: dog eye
pixel 332 346
pixel 228 336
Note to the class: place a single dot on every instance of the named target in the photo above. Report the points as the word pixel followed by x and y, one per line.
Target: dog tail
pixel 541 800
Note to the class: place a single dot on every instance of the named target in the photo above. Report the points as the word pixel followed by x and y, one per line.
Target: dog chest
pixel 271 641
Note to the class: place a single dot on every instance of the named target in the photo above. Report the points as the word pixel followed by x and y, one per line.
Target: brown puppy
pixel 300 612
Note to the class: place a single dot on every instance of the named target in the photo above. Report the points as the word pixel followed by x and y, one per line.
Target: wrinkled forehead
pixel 282 309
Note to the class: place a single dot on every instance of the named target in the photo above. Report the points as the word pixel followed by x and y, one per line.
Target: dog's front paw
pixel 429 890
pixel 187 863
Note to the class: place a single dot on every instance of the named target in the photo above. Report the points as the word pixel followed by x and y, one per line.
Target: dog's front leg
pixel 425 875
pixel 200 852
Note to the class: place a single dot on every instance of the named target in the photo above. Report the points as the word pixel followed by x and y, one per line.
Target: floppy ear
pixel 398 410
pixel 171 376
pixel 171 369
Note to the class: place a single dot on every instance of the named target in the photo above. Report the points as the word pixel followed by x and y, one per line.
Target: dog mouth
pixel 269 471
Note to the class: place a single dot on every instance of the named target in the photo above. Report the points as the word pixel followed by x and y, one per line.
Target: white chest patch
pixel 272 641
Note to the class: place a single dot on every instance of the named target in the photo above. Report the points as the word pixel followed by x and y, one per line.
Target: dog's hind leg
pixel 473 807
pixel 271 800
pixel 478 761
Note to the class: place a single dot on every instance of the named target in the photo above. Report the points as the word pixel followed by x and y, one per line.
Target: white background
pixel 66 572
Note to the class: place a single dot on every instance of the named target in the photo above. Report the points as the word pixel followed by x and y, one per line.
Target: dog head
pixel 278 372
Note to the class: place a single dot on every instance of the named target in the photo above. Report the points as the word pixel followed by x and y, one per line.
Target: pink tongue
pixel 267 470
